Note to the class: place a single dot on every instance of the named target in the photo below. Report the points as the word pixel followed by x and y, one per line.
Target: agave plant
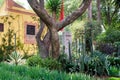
pixel 15 58
pixel 53 6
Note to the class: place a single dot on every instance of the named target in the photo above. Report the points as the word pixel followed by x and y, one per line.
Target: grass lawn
pixel 12 72
pixel 113 78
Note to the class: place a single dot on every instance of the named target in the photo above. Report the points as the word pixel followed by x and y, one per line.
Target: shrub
pixel 114 61
pixel 48 62
pixel 68 65
pixel 95 64
pixel 52 64
pixel 34 61
pixel 114 71
pixel 110 36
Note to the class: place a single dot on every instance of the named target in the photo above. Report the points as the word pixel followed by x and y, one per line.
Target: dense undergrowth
pixel 12 72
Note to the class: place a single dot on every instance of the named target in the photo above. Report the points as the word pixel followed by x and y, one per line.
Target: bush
pixel 52 64
pixel 110 36
pixel 114 61
pixel 95 64
pixel 48 62
pixel 114 71
pixel 34 61
pixel 68 65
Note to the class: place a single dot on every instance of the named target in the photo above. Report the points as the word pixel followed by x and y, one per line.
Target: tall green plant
pixel 54 7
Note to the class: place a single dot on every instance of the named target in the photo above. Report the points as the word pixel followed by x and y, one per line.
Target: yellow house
pixel 23 22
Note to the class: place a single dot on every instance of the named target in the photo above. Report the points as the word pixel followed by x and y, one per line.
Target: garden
pixel 91 53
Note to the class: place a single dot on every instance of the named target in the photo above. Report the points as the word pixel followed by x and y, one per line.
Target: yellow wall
pixel 22 18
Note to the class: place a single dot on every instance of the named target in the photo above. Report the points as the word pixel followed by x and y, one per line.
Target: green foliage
pixel 68 66
pixel 71 5
pixel 113 78
pixel 34 61
pixel 10 72
pixel 48 62
pixel 101 37
pixel 110 36
pixel 15 58
pixel 114 71
pixel 76 29
pixel 96 64
pixel 92 29
pixel 53 5
pixel 114 61
pixel 52 64
pixel 7 45
pixel 110 13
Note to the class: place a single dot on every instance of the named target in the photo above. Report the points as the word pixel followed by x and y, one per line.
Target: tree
pixel 54 26
pixel 110 12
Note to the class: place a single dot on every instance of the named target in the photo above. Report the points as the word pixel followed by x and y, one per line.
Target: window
pixel 30 30
pixel 1 27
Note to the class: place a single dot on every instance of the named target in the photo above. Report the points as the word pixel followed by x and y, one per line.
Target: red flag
pixel 62 12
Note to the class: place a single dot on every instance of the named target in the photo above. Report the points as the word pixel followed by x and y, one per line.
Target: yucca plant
pixel 15 58
pixel 53 6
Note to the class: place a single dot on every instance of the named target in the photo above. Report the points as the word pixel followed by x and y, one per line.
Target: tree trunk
pixel 54 38
pixel 90 12
pixel 43 45
pixel 54 15
pixel 98 13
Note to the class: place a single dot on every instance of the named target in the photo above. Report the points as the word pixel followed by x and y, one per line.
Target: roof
pixel 11 3
pixel 12 6
pixel 17 5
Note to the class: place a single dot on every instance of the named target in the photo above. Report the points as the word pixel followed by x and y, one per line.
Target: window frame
pixel 30 27
pixel 2 25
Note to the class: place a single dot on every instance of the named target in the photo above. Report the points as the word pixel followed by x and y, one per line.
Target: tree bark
pixel 90 12
pixel 54 26
pixel 54 38
pixel 43 45
pixel 98 13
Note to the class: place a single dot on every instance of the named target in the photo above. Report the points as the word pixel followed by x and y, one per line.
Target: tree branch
pixel 73 16
pixel 42 13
